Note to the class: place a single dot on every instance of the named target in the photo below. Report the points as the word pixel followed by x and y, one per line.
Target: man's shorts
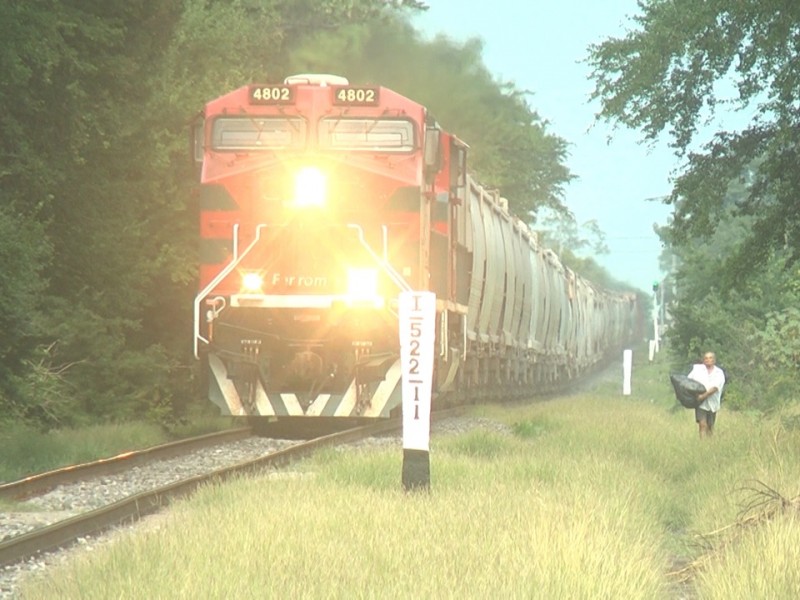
pixel 705 415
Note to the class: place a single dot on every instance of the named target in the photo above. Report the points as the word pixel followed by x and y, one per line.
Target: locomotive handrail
pixel 235 260
pixel 396 278
pixel 381 262
pixel 235 244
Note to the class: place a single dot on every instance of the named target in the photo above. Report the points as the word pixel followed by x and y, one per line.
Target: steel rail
pixel 135 507
pixel 43 482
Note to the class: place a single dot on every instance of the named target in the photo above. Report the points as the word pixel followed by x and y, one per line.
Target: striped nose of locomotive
pixel 373 399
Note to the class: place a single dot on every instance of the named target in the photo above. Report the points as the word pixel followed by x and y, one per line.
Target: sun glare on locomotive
pixel 252 282
pixel 310 187
pixel 362 286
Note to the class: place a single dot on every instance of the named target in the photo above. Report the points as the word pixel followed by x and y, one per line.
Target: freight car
pixel 320 201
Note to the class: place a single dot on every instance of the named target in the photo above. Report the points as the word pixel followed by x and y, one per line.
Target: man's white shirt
pixel 714 378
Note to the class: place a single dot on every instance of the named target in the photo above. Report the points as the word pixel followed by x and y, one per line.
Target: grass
pixel 595 496
pixel 27 450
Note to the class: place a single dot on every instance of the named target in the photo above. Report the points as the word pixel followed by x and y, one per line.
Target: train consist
pixel 321 201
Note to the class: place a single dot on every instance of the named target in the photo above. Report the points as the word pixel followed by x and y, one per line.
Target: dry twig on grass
pixel 762 505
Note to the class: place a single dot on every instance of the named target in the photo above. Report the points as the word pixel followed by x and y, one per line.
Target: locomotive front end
pixel 310 194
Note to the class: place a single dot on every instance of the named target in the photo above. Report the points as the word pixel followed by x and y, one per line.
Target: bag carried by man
pixel 687 390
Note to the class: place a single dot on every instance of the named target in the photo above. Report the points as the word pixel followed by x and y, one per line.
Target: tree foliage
pixel 24 254
pixel 735 232
pixel 687 60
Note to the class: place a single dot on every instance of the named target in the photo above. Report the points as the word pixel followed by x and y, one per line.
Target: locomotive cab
pixel 311 199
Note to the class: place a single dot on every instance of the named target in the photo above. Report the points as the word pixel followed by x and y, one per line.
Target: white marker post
pixel 627 367
pixel 656 336
pixel 417 312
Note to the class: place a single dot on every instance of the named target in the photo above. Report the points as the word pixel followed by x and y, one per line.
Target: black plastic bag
pixel 687 390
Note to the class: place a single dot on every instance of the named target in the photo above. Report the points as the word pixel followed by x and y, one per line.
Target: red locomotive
pixel 320 202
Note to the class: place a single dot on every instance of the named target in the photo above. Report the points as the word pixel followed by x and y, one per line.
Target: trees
pixel 687 60
pixel 23 257
pixel 735 229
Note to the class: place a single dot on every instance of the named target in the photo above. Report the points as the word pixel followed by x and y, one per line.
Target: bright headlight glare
pixel 362 284
pixel 310 187
pixel 252 282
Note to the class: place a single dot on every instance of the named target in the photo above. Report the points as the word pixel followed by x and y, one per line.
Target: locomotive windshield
pixel 369 135
pixel 245 133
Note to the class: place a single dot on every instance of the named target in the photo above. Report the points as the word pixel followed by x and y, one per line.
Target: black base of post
pixel 416 470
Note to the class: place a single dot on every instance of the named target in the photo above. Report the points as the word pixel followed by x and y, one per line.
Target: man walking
pixel 711 376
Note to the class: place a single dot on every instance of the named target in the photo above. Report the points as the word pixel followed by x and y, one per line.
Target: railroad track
pixel 134 507
pixel 42 482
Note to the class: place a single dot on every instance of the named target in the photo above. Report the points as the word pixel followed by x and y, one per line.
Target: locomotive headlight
pixel 310 187
pixel 252 282
pixel 362 286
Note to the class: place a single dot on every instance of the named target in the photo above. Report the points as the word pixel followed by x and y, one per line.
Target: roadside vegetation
pixel 597 495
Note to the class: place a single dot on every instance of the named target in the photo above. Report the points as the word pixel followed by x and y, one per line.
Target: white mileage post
pixel 417 312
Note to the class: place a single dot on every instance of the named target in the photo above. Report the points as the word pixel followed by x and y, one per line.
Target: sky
pixel 539 45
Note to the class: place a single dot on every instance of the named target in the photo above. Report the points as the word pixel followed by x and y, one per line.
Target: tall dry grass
pixel 592 496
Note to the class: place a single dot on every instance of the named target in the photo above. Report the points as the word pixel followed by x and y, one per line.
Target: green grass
pixel 27 450
pixel 595 496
